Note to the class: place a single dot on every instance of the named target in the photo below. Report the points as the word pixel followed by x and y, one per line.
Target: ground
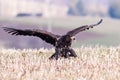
pixel 92 63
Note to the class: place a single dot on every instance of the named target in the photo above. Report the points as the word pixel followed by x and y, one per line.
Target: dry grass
pixel 98 63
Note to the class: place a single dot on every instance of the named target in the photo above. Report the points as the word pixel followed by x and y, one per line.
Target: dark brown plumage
pixel 62 43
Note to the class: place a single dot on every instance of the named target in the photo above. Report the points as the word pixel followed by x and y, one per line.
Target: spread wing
pixel 44 35
pixel 82 28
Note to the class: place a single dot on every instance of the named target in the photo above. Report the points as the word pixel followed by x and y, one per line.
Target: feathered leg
pixel 56 55
pixel 65 53
pixel 72 53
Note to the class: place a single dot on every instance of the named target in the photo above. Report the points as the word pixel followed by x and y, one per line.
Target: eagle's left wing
pixel 44 35
pixel 82 28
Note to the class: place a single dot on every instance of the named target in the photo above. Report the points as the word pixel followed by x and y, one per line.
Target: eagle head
pixel 72 38
pixel 68 38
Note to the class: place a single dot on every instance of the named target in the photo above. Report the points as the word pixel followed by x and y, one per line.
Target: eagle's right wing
pixel 44 35
pixel 82 28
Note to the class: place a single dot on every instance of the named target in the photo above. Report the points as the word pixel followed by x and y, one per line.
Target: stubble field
pixel 92 63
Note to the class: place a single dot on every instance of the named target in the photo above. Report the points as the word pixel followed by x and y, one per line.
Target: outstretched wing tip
pixel 96 23
pixel 10 31
pixel 83 28
pixel 100 21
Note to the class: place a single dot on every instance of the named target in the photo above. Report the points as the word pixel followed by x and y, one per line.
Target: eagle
pixel 62 43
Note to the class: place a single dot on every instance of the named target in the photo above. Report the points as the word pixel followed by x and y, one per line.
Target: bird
pixel 62 43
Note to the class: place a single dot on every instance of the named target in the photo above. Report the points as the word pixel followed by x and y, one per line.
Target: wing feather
pixel 44 35
pixel 82 28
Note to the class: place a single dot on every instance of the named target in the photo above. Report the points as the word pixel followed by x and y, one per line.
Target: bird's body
pixel 63 48
pixel 62 44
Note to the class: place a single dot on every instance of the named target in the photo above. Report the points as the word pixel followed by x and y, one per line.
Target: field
pixel 92 63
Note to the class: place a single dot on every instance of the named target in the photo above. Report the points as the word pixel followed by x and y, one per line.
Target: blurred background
pixel 58 17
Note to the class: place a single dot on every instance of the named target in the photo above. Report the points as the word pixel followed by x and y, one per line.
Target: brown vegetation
pixel 98 63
